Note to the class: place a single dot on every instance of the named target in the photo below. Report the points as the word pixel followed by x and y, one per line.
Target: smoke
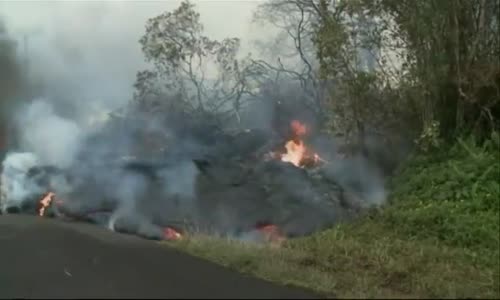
pixel 140 173
pixel 54 139
pixel 359 177
pixel 10 79
pixel 15 187
pixel 179 180
pixel 86 54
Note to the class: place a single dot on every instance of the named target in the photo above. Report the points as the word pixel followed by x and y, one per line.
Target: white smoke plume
pixel 15 188
pixel 55 131
pixel 45 139
pixel 53 139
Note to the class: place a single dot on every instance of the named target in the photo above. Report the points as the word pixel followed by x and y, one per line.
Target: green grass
pixel 437 237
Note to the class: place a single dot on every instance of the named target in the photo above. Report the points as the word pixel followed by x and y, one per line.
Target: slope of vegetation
pixel 424 70
pixel 437 237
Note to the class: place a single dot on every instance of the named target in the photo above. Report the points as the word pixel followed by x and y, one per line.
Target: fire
pixel 171 234
pixel 297 153
pixel 45 202
pixel 298 128
pixel 271 233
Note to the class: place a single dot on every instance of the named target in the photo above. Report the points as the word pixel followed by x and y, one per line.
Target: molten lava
pixel 271 233
pixel 171 234
pixel 297 153
pixel 298 128
pixel 45 202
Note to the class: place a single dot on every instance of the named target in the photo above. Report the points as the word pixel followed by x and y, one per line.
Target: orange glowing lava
pixel 45 202
pixel 298 128
pixel 271 233
pixel 297 153
pixel 171 234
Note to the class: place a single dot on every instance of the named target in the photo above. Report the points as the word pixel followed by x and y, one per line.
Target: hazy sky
pixel 89 50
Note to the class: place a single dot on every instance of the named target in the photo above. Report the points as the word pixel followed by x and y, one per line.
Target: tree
pixel 454 55
pixel 197 74
pixel 440 47
pixel 293 52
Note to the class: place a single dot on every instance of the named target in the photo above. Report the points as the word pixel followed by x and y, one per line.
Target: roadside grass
pixel 438 237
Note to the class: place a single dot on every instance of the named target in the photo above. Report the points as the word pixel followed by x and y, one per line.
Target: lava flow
pixel 271 233
pixel 297 153
pixel 45 202
pixel 171 234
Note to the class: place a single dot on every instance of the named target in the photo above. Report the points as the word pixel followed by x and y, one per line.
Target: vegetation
pixel 426 57
pixel 427 70
pixel 438 237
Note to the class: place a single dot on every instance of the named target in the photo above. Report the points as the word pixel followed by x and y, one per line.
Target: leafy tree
pixel 192 72
pixel 439 70
pixel 292 54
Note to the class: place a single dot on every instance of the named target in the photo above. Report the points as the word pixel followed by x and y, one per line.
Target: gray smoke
pixel 10 70
pixel 15 186
pixel 55 140
pixel 141 172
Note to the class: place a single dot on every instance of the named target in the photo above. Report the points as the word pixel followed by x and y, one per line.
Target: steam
pixel 139 197
pixel 62 130
pixel 180 179
pixel 15 188
pixel 359 177
pixel 54 139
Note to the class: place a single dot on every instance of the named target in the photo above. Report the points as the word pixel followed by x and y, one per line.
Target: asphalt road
pixel 42 258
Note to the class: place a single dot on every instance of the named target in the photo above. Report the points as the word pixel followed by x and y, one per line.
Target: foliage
pixel 429 139
pixel 452 195
pixel 429 69
pixel 436 62
pixel 291 53
pixel 197 74
pixel 436 238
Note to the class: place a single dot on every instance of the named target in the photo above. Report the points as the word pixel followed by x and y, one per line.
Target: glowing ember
pixel 296 151
pixel 271 233
pixel 298 128
pixel 171 234
pixel 45 202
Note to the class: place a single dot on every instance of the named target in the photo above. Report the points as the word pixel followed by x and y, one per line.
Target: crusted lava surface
pixel 200 179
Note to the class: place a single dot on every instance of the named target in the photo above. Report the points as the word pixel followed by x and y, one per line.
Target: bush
pixel 452 195
pixel 437 237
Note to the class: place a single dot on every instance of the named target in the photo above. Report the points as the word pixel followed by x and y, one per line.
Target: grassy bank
pixel 437 237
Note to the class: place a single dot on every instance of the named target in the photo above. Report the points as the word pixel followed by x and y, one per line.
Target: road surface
pixel 42 258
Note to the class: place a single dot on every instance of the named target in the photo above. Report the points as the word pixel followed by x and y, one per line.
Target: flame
pixel 171 234
pixel 45 202
pixel 298 128
pixel 297 153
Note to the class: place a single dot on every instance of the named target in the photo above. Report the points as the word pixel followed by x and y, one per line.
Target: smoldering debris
pixel 159 182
